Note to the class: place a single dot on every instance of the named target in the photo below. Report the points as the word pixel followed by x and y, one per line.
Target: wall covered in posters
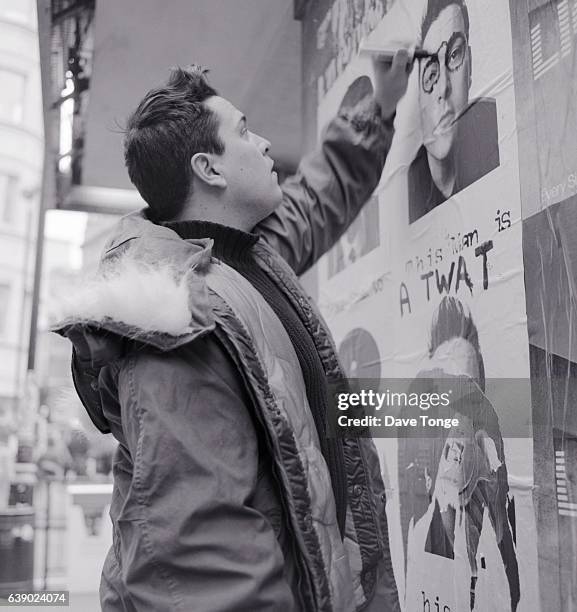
pixel 463 261
pixel 544 48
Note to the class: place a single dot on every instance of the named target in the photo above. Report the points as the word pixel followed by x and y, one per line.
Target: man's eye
pixel 456 55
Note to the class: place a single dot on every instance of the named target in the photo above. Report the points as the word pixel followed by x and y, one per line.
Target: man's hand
pixel 391 80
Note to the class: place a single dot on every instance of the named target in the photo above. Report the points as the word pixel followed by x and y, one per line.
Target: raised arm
pixel 331 185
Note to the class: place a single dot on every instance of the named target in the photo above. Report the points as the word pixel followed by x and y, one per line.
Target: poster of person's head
pixel 458 273
pixel 460 140
pixel 447 283
pixel 449 484
pixel 453 107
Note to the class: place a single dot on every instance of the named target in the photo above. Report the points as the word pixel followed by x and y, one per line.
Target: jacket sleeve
pixel 331 185
pixel 189 538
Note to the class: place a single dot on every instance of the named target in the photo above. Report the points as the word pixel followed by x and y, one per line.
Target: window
pixel 4 307
pixel 12 99
pixel 7 197
pixel 16 10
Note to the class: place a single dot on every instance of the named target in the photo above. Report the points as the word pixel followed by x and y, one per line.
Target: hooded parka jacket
pixel 222 499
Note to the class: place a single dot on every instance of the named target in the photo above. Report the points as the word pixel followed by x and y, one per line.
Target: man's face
pixel 457 461
pixel 457 357
pixel 245 164
pixel 444 81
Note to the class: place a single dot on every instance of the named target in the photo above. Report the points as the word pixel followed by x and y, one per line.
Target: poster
pixel 544 44
pixel 545 72
pixel 441 287
pixel 550 260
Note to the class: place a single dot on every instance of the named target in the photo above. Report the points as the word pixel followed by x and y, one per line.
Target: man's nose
pixel 444 83
pixel 262 143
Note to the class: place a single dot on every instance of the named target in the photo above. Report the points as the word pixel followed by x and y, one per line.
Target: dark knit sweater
pixel 234 247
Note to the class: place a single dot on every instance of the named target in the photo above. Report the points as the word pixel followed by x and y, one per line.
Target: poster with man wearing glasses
pixel 460 136
pixel 449 234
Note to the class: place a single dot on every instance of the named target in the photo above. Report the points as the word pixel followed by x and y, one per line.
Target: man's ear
pixel 204 168
pixel 470 65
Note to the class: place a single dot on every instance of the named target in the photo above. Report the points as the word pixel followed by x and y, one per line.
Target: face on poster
pixel 450 262
pixel 458 271
pixel 450 189
pixel 459 515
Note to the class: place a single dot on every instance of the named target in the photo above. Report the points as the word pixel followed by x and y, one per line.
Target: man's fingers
pixel 391 80
pixel 382 62
pixel 400 61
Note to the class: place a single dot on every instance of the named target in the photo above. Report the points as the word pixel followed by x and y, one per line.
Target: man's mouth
pixel 445 123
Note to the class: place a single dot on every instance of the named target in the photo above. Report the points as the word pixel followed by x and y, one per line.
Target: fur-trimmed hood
pixel 149 287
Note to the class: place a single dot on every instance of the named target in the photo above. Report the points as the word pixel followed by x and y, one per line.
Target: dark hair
pixel 451 320
pixel 169 126
pixel 434 8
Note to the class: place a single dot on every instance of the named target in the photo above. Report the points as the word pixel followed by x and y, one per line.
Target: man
pixel 197 348
pixel 451 479
pixel 460 138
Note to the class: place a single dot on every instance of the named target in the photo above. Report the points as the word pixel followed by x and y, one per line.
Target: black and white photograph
pixel 214 213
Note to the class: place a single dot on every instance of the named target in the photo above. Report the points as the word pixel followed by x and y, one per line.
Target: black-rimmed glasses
pixel 456 49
